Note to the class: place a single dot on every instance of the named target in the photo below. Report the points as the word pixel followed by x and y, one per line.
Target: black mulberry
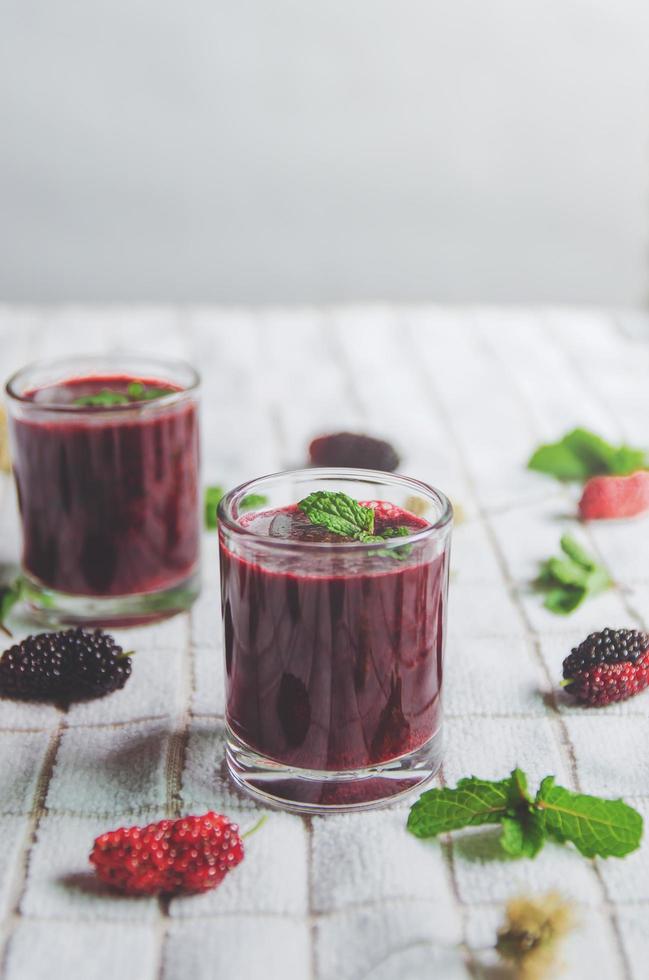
pixel 72 665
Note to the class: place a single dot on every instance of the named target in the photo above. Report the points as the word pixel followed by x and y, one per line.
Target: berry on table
pixel 72 665
pixel 191 854
pixel 606 497
pixel 608 666
pixel 353 449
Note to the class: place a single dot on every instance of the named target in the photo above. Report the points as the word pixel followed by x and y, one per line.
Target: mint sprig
pixel 608 828
pixel 136 391
pixel 340 514
pixel 10 595
pixel 596 826
pixel 343 515
pixel 582 454
pixel 252 501
pixel 105 398
pixel 212 499
pixel 567 581
pixel 211 502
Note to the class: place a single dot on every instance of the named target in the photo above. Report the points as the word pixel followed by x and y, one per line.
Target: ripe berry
pixel 608 666
pixel 68 666
pixel 353 449
pixel 615 496
pixel 191 854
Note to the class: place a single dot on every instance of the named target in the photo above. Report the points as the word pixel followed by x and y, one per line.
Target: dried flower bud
pixel 532 932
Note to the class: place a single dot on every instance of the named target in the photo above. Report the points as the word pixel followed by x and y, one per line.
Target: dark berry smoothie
pixel 333 656
pixel 108 497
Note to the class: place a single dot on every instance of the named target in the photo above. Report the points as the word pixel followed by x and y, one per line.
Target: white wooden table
pixel 465 395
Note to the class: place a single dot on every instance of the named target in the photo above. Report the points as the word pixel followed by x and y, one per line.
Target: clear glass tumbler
pixel 105 454
pixel 333 648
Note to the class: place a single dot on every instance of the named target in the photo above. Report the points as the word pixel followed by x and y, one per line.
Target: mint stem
pixel 253 830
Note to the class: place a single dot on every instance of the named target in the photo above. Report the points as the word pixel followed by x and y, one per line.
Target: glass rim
pixel 227 520
pixel 173 397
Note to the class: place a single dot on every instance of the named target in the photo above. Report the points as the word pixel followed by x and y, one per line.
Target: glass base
pixel 51 608
pixel 328 791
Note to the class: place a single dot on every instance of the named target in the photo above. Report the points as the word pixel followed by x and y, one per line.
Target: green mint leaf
pixel 149 394
pixel 106 397
pixel 558 461
pixel 339 513
pixel 582 454
pixel 568 581
pixel 139 392
pixel 396 532
pixel 628 460
pixel 343 515
pixel 211 502
pixel 594 825
pixel 253 500
pixel 596 454
pixel 518 791
pixel 9 596
pixel 574 550
pixel 399 554
pixel 136 391
pixel 523 836
pixel 608 828
pixel 567 572
pixel 563 601
pixel 472 803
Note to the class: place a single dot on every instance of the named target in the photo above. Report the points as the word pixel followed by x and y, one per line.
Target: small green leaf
pixel 558 461
pixel 596 826
pixel 339 513
pixel 563 600
pixel 567 572
pixel 567 581
pixel 399 554
pixel 252 501
pixel 472 803
pixel 105 398
pixel 518 791
pixel 574 550
pixel 581 454
pixel 522 836
pixel 212 497
pixel 10 595
pixel 136 391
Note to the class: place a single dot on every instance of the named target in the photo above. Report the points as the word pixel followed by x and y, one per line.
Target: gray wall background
pixel 298 150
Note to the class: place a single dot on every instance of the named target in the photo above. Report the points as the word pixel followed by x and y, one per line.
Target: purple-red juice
pixel 333 661
pixel 109 502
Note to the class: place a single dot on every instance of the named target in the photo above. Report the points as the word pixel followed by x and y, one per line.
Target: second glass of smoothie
pixel 333 646
pixel 105 454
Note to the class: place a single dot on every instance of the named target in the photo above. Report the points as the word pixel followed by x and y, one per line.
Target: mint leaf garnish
pixel 253 500
pixel 213 496
pixel 139 392
pixel 608 828
pixel 582 454
pixel 343 515
pixel 568 581
pixel 522 836
pixel 136 391
pixel 472 803
pixel 400 554
pixel 211 502
pixel 596 826
pixel 9 596
pixel 339 513
pixel 104 397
